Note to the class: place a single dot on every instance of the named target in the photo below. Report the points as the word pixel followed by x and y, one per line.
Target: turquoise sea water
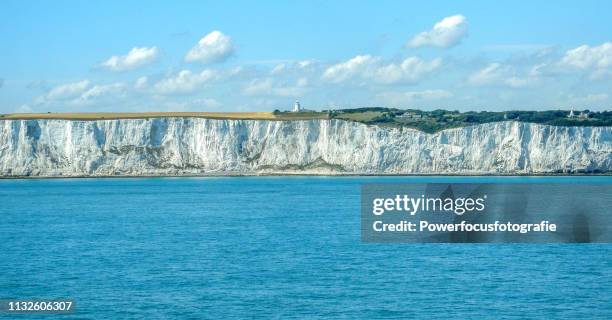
pixel 271 247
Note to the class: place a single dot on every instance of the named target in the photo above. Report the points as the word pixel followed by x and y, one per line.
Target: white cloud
pixel 268 87
pixel 596 60
pixel 410 70
pixel 65 91
pixel 233 71
pixel 306 63
pixel 446 33
pixel 184 82
pixel 136 58
pixel 293 67
pixel 487 75
pixel 80 93
pixel 98 92
pixel 410 97
pixel 278 69
pixel 141 83
pixel 496 74
pixel 346 70
pixel 214 47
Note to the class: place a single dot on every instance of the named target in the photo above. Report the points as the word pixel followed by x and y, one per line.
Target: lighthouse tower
pixel 297 107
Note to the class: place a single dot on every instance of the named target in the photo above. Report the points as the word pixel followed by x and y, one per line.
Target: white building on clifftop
pixel 297 107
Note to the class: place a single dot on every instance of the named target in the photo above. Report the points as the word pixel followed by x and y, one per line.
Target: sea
pixel 271 247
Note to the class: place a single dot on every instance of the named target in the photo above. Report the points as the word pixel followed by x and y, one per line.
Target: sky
pixel 129 56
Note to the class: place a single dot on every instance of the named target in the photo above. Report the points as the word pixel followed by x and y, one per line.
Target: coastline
pixel 285 174
pixel 317 148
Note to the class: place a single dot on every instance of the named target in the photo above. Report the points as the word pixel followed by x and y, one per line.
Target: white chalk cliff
pixel 196 146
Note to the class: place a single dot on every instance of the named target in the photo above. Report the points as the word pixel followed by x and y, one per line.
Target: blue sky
pixel 68 56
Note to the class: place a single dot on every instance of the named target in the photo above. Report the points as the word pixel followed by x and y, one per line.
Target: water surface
pixel 244 247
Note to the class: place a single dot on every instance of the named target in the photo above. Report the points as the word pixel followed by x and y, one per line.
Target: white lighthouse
pixel 297 107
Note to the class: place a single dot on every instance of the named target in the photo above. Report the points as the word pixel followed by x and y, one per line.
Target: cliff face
pixel 186 146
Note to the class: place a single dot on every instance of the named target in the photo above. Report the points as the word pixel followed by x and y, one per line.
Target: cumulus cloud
pixel 446 33
pixel 80 93
pixel 497 74
pixel 596 60
pixel 214 47
pixel 136 58
pixel 97 92
pixel 306 63
pixel 183 82
pixel 268 87
pixel 410 70
pixel 293 67
pixel 489 74
pixel 65 91
pixel 346 70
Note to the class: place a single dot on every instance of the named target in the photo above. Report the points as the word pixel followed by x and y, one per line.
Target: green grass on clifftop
pixel 427 121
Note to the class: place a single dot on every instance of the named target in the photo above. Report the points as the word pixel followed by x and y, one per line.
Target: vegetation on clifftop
pixel 427 121
pixel 433 121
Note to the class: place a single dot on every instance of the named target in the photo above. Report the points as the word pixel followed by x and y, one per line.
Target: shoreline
pixel 285 174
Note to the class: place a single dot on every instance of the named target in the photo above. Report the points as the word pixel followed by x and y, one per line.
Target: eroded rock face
pixel 188 146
